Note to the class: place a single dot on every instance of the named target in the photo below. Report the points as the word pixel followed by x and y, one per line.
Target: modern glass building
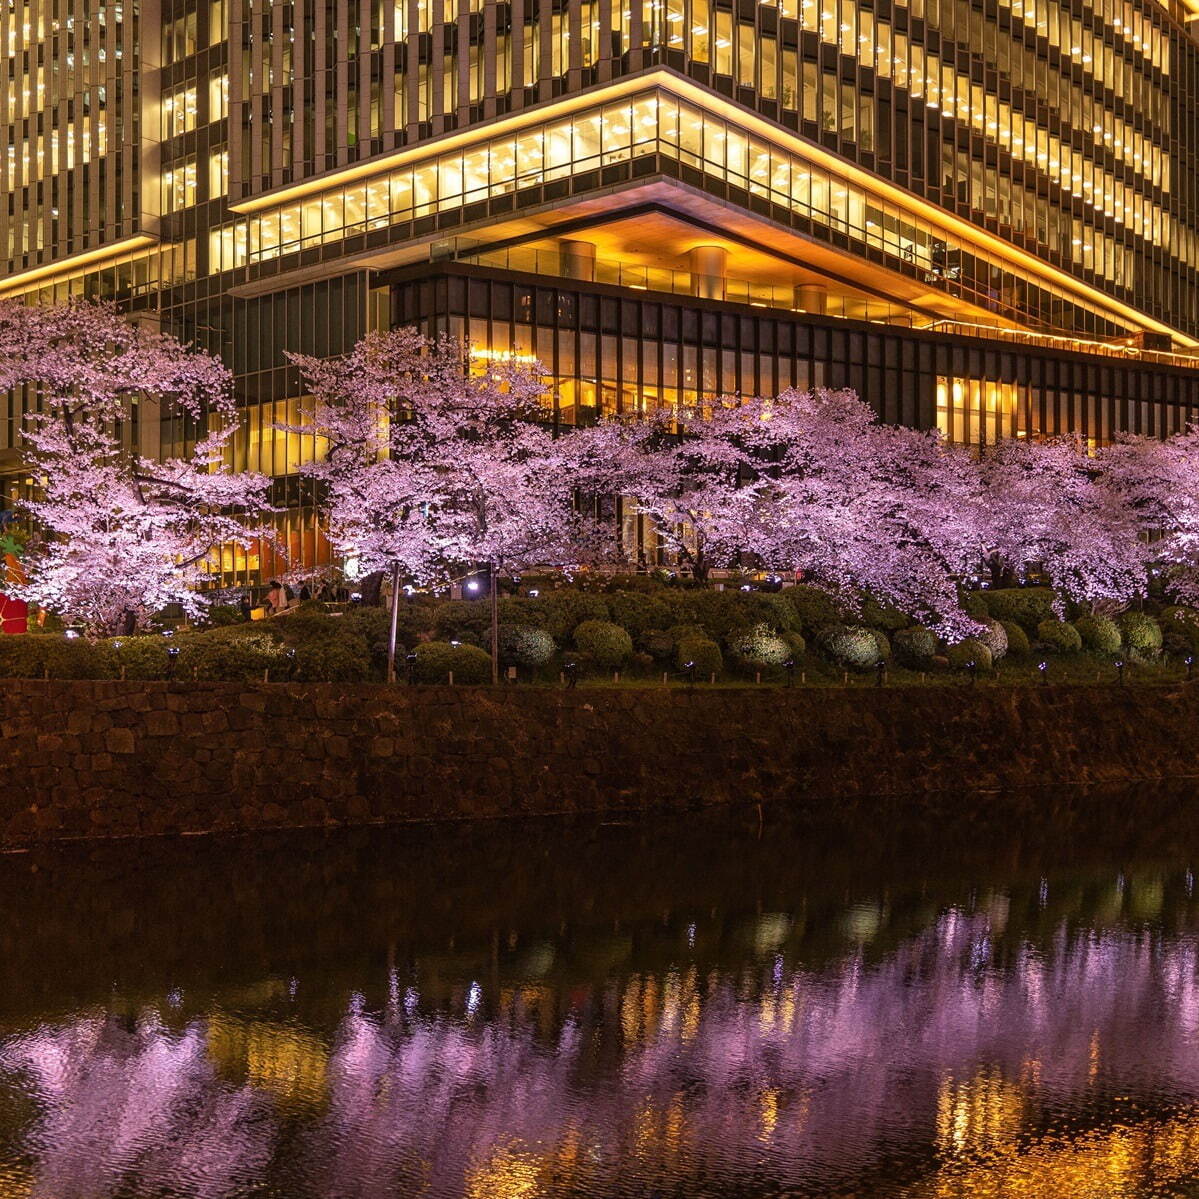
pixel 981 214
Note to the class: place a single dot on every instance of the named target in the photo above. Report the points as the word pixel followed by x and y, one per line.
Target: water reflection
pixel 1003 1033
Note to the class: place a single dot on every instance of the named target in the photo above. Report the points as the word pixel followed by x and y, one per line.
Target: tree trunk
pixel 395 620
pixel 370 587
pixel 495 625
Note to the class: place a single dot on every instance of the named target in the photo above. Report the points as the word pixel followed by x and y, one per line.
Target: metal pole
pixel 495 626
pixel 395 620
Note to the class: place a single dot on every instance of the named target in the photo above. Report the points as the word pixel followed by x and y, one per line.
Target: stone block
pixel 119 741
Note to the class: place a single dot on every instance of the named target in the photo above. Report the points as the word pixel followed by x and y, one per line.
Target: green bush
pixel 606 644
pixel 1180 630
pixel 344 660
pixel 414 622
pixel 141 657
pixel 1017 638
pixel 636 612
pixel 850 646
pixel 657 643
pixel 242 658
pixel 703 652
pixel 796 645
pixel 435 660
pixel 1029 607
pixel 1099 634
pixel 758 647
pixel 915 647
pixel 814 609
pixel 970 649
pixel 994 637
pixel 974 604
pixel 1059 637
pixel 458 620
pixel 29 656
pixel 525 645
pixel 882 616
pixel 1142 634
pixel 219 615
pixel 884 646
pixel 563 611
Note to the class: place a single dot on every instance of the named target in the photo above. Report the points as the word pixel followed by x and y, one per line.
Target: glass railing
pixel 783 296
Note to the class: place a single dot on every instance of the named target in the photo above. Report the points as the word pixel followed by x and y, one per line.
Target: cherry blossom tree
pixel 1157 483
pixel 120 535
pixel 806 481
pixel 1049 502
pixel 434 468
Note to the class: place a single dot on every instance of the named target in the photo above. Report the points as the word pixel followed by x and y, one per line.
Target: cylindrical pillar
pixel 811 297
pixel 708 266
pixel 578 259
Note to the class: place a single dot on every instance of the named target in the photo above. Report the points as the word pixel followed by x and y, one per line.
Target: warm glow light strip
pixel 685 89
pixel 65 266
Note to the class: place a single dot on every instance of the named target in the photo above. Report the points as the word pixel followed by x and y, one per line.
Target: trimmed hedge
pixel 969 649
pixel 37 656
pixel 1142 634
pixel 1099 634
pixel 605 643
pixel 814 609
pixel 436 660
pixel 994 637
pixel 241 655
pixel 525 645
pixel 915 647
pixel 563 611
pixel 1017 638
pixel 850 646
pixel 759 647
pixel 1059 637
pixel 1180 630
pixel 141 657
pixel 703 652
pixel 1029 607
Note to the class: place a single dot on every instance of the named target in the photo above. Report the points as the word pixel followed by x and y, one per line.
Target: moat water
pixel 723 1006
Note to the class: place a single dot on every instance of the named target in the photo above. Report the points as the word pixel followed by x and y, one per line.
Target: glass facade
pixel 984 219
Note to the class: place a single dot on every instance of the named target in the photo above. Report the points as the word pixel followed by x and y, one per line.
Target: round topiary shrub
pixel 850 646
pixel 525 645
pixel 605 643
pixel 1142 634
pixel 884 646
pixel 1059 637
pixel 994 637
pixel 1017 638
pixel 915 647
pixel 1099 634
pixel 437 660
pixel 969 649
pixel 703 652
pixel 566 609
pixel 758 647
pixel 1028 607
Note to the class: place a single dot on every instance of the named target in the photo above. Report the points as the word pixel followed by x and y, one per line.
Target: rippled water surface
pixel 709 1007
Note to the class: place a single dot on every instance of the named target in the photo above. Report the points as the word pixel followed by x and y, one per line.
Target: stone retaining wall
pixel 81 759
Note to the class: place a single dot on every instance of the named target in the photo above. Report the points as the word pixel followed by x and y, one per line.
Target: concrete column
pixel 708 266
pixel 811 297
pixel 578 259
